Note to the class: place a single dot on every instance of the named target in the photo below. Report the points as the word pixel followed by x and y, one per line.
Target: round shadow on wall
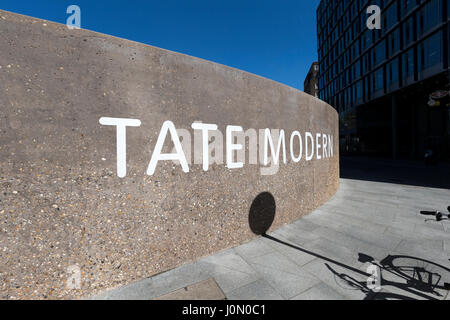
pixel 262 213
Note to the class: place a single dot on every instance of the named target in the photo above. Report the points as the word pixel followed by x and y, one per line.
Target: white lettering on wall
pixel 291 144
pixel 205 150
pixel 212 152
pixel 324 145
pixel 232 147
pixel 309 137
pixel 167 126
pixel 318 146
pixel 121 125
pixel 276 155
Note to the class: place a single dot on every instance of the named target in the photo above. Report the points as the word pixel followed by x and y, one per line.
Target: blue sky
pixel 274 39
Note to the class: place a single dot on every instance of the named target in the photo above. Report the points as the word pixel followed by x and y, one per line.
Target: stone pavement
pixel 325 255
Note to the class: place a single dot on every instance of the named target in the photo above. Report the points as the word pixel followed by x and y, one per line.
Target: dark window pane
pixel 379 54
pixel 392 73
pixel 430 52
pixel 408 63
pixel 394 42
pixel 408 34
pixel 429 17
pixel 407 6
pixel 390 17
pixel 377 81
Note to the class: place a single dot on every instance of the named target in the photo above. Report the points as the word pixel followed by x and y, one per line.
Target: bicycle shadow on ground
pixel 419 278
pixel 414 278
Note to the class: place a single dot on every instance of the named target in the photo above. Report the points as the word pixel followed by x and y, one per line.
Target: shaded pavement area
pixel 408 172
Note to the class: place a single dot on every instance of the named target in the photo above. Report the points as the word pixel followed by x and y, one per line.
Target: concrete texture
pixel 318 256
pixel 62 203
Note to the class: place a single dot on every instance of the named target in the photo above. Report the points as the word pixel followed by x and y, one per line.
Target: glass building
pixel 381 81
pixel 310 85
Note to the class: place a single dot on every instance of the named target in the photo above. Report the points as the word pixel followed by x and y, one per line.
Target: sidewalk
pixel 316 257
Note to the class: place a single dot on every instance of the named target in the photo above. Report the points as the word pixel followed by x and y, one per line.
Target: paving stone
pixel 431 230
pixel 229 259
pixel 335 218
pixel 349 288
pixel 204 290
pixel 295 235
pixel 286 284
pixel 254 248
pixel 305 225
pixel 276 261
pixel 258 290
pixel 447 246
pixel 229 279
pixel 374 238
pixel 320 291
pixel 331 250
pixel 423 251
pixel 299 257
pixel 353 242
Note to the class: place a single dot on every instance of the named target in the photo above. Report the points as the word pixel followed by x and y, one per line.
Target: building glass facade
pixel 358 66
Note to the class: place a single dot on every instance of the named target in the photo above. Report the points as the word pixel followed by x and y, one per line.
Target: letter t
pixel 121 125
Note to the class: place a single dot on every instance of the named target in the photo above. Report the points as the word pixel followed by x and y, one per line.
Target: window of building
pixel 356 28
pixel 448 12
pixel 366 63
pixel 377 79
pixel 430 52
pixel 408 31
pixel 366 39
pixel 392 73
pixel 353 93
pixel 408 63
pixel 349 97
pixel 407 6
pixel 366 88
pixel 394 42
pixel 358 89
pixel 345 99
pixel 356 70
pixel 429 17
pixel 355 49
pixel 390 16
pixel 379 53
pixel 363 21
pixel 378 3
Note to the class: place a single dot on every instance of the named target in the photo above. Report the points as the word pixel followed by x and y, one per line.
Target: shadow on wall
pixel 262 213
pixel 416 278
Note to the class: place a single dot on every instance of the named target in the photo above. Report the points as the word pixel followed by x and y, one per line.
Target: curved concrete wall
pixel 63 205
